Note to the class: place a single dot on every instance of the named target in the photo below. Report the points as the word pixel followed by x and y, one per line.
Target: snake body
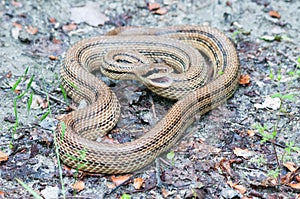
pixel 179 48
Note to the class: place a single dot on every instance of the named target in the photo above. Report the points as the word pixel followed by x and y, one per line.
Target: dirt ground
pixel 222 154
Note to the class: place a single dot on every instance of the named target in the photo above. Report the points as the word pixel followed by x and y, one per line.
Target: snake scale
pixel 154 53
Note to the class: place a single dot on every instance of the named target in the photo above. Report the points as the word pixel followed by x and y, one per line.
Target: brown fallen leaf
pixel 250 133
pixel 244 79
pixel 165 193
pixel 240 188
pixel 290 166
pixel 295 186
pixel 160 11
pixel 78 186
pixel 137 183
pixel 245 153
pixel 9 74
pixel 3 156
pixel 69 27
pixel 229 4
pixel 31 30
pixel 110 185
pixel 38 102
pixel 16 4
pixel 120 179
pixel 269 182
pixel 297 178
pixel 52 57
pixel 17 25
pixel 2 194
pixel 225 166
pixel 153 6
pixel 52 20
pixel 274 14
pixel 56 41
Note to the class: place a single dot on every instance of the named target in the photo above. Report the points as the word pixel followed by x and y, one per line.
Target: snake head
pixel 155 75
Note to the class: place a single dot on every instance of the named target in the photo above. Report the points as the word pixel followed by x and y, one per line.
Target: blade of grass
pixel 29 102
pixel 29 189
pixel 59 167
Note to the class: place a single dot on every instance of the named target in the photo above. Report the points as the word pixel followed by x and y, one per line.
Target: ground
pixel 223 154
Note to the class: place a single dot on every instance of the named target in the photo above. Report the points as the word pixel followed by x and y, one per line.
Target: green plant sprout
pixel 29 189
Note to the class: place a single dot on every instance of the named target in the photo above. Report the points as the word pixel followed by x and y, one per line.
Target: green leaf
pixel 82 154
pixel 30 82
pixel 45 115
pixel 29 102
pixel 290 97
pixel 267 38
pixel 16 84
pixel 26 71
pixel 279 95
pixel 63 129
pixel 220 72
pixel 63 92
pixel 271 75
pixel 277 37
pixel 15 109
pixel 171 155
pixel 29 189
pixel 126 196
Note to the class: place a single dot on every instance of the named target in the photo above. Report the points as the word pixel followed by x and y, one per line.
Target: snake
pixel 169 61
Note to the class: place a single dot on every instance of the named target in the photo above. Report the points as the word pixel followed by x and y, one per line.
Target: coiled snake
pixel 149 55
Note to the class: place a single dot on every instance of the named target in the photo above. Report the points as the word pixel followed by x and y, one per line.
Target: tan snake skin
pixel 177 47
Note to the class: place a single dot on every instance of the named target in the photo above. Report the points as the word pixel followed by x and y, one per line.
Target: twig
pixel 157 174
pixel 288 57
pixel 50 96
pixel 153 107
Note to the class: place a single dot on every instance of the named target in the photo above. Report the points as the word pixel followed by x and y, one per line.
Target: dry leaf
pixel 120 179
pixel 78 186
pixel 107 140
pixel 9 74
pixel 153 6
pixel 240 188
pixel 38 102
pixel 52 57
pixel 229 4
pixel 225 166
pixel 16 4
pixel 250 133
pixel 2 194
pixel 69 27
pixel 244 79
pixel 31 30
pixel 137 183
pixel 295 186
pixel 165 193
pixel 90 14
pixel 290 166
pixel 161 11
pixel 274 14
pixel 110 185
pixel 56 41
pixel 67 168
pixel 245 153
pixel 298 178
pixel 273 103
pixel 3 156
pixel 52 20
pixel 17 25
